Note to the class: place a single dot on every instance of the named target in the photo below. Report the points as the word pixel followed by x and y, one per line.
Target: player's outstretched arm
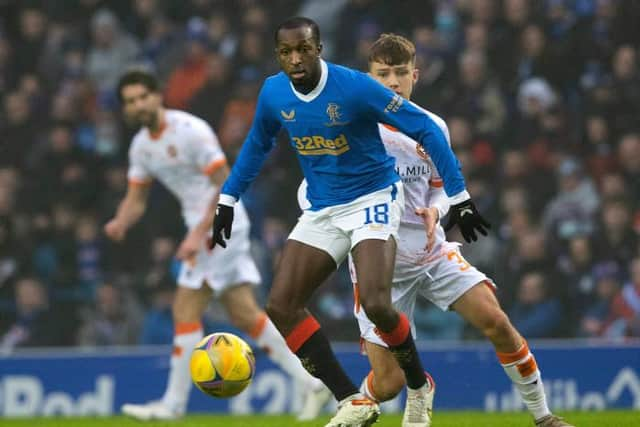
pixel 129 211
pixel 393 109
pixel 257 145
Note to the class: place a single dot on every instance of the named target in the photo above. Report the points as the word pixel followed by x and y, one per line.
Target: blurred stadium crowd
pixel 542 101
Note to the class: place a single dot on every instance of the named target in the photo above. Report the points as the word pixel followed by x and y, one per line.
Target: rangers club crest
pixel 172 151
pixel 333 111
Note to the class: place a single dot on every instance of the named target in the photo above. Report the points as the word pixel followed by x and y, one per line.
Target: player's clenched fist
pixel 222 222
pixel 115 230
pixel 468 219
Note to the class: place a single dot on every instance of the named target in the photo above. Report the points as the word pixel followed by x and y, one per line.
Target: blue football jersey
pixel 334 130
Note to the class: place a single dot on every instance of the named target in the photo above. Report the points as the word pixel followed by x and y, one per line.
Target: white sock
pixel 522 368
pixel 187 335
pixel 268 338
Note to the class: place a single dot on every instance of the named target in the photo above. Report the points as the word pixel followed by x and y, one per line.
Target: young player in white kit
pixel 183 153
pixel 435 270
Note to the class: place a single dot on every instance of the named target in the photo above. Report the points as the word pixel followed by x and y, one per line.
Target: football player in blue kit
pixel 331 114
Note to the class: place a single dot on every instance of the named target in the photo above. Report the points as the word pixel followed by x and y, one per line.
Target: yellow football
pixel 222 365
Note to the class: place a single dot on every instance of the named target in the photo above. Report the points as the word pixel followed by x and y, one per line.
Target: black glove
pixel 468 219
pixel 222 222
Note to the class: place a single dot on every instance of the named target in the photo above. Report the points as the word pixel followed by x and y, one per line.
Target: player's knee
pixel 279 313
pixel 378 310
pixel 496 324
pixel 274 310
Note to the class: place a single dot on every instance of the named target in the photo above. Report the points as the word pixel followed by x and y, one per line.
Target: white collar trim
pixel 324 73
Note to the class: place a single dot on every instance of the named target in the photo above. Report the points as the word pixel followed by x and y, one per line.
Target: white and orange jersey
pixel 182 156
pixel 423 186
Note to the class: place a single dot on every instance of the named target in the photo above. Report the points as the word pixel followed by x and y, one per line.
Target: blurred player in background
pixel 331 114
pixel 435 270
pixel 183 153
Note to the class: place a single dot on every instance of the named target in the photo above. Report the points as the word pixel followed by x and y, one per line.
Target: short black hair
pixel 297 22
pixel 137 77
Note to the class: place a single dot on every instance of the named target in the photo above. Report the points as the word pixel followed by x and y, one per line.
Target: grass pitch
pixel 441 419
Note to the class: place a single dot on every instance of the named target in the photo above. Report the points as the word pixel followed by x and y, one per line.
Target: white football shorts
pixel 338 229
pixel 223 268
pixel 441 277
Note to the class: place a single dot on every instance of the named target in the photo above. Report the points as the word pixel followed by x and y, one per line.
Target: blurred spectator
pixel 250 62
pixel 460 133
pixel 629 160
pixel 528 253
pixel 106 141
pixel 431 62
pixel 221 36
pixel 159 44
pixel 255 19
pixel 616 239
pixel 476 38
pixel 572 210
pixel 599 34
pixel 536 314
pixel 30 43
pixel 625 99
pixel 112 50
pixel 561 20
pixel 625 319
pixel 18 134
pixel 160 265
pixel 36 323
pixel 358 20
pixel 613 186
pixel 55 259
pixel 538 116
pixel 482 11
pixel 63 170
pixel 535 60
pixel 7 67
pixel 476 96
pixel 576 267
pixel 508 36
pixel 139 20
pixel 115 186
pixel 210 100
pixel 88 252
pixel 517 171
pixel 237 117
pixel 32 87
pixel 157 327
pixel 9 261
pixel 185 81
pixel 599 146
pixel 598 313
pixel 114 320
